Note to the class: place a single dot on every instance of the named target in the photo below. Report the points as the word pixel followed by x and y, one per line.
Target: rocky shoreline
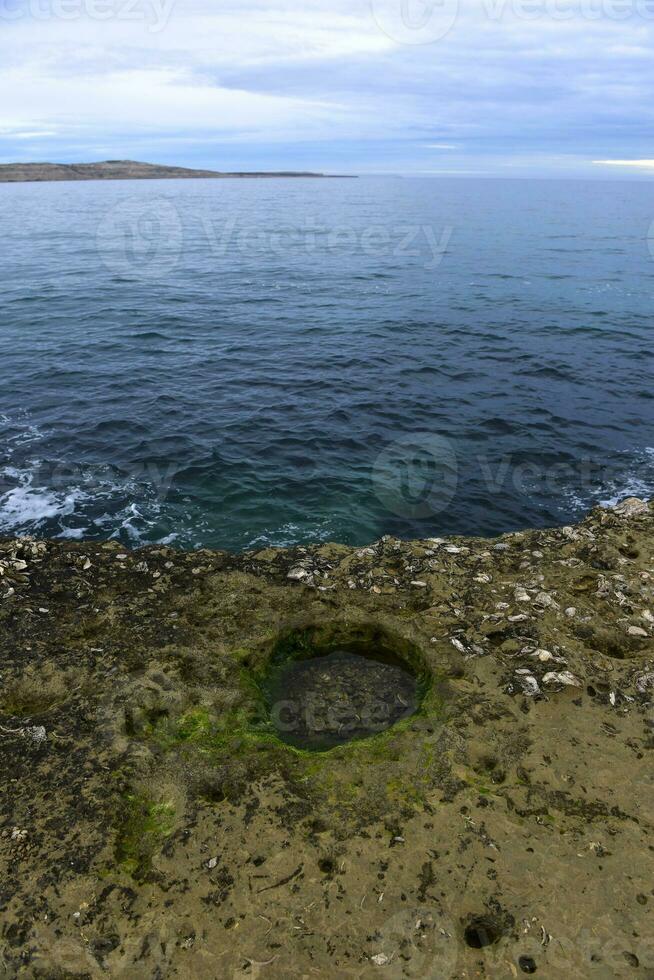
pixel 153 825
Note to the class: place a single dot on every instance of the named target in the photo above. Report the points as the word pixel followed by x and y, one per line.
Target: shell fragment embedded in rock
pixel 562 677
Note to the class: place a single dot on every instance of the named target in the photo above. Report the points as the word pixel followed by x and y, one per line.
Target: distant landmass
pixel 127 170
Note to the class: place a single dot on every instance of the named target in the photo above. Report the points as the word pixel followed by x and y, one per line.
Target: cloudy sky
pixel 491 87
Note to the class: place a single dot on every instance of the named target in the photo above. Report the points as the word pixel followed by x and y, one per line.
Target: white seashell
pixel 563 677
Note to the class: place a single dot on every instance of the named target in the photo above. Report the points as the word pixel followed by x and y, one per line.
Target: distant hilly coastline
pixel 128 170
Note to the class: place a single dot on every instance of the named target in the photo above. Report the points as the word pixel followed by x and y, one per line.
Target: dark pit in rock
pixel 322 701
pixel 481 932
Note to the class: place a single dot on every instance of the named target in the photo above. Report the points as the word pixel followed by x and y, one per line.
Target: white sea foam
pixel 168 538
pixel 67 512
pixel 289 534
pixel 630 488
pixel 633 478
pixel 12 472
pixel 26 508
pixel 127 519
pixel 75 533
pixel 637 483
pixel 28 432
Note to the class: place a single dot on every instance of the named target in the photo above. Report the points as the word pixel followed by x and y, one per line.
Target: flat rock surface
pixel 153 825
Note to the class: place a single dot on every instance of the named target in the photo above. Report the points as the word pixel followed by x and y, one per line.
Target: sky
pixel 547 88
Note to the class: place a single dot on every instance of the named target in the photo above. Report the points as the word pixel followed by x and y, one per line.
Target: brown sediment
pixel 152 824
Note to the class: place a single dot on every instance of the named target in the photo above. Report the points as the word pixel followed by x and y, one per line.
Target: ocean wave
pixel 633 477
pixel 26 508
pixel 96 506
pixel 268 385
pixel 287 535
pixel 637 483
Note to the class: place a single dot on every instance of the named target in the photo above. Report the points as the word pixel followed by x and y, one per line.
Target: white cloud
pixel 153 99
pixel 34 135
pixel 638 164
pixel 498 85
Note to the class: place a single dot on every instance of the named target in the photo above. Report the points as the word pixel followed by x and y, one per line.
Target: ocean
pixel 239 364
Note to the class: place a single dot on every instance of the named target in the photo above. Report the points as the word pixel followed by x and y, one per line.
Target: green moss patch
pixel 143 827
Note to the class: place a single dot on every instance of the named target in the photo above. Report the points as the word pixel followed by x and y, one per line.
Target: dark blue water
pixel 237 363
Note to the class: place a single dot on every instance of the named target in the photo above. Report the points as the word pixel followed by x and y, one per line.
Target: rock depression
pixel 155 820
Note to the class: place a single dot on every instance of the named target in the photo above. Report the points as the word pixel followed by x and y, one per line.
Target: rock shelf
pixel 154 824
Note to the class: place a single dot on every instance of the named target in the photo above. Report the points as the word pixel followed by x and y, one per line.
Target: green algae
pixel 354 645
pixel 160 756
pixel 143 826
pixel 210 741
pixel 342 773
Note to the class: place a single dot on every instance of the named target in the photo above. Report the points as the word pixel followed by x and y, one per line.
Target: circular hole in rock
pixel 327 686
pixel 481 932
